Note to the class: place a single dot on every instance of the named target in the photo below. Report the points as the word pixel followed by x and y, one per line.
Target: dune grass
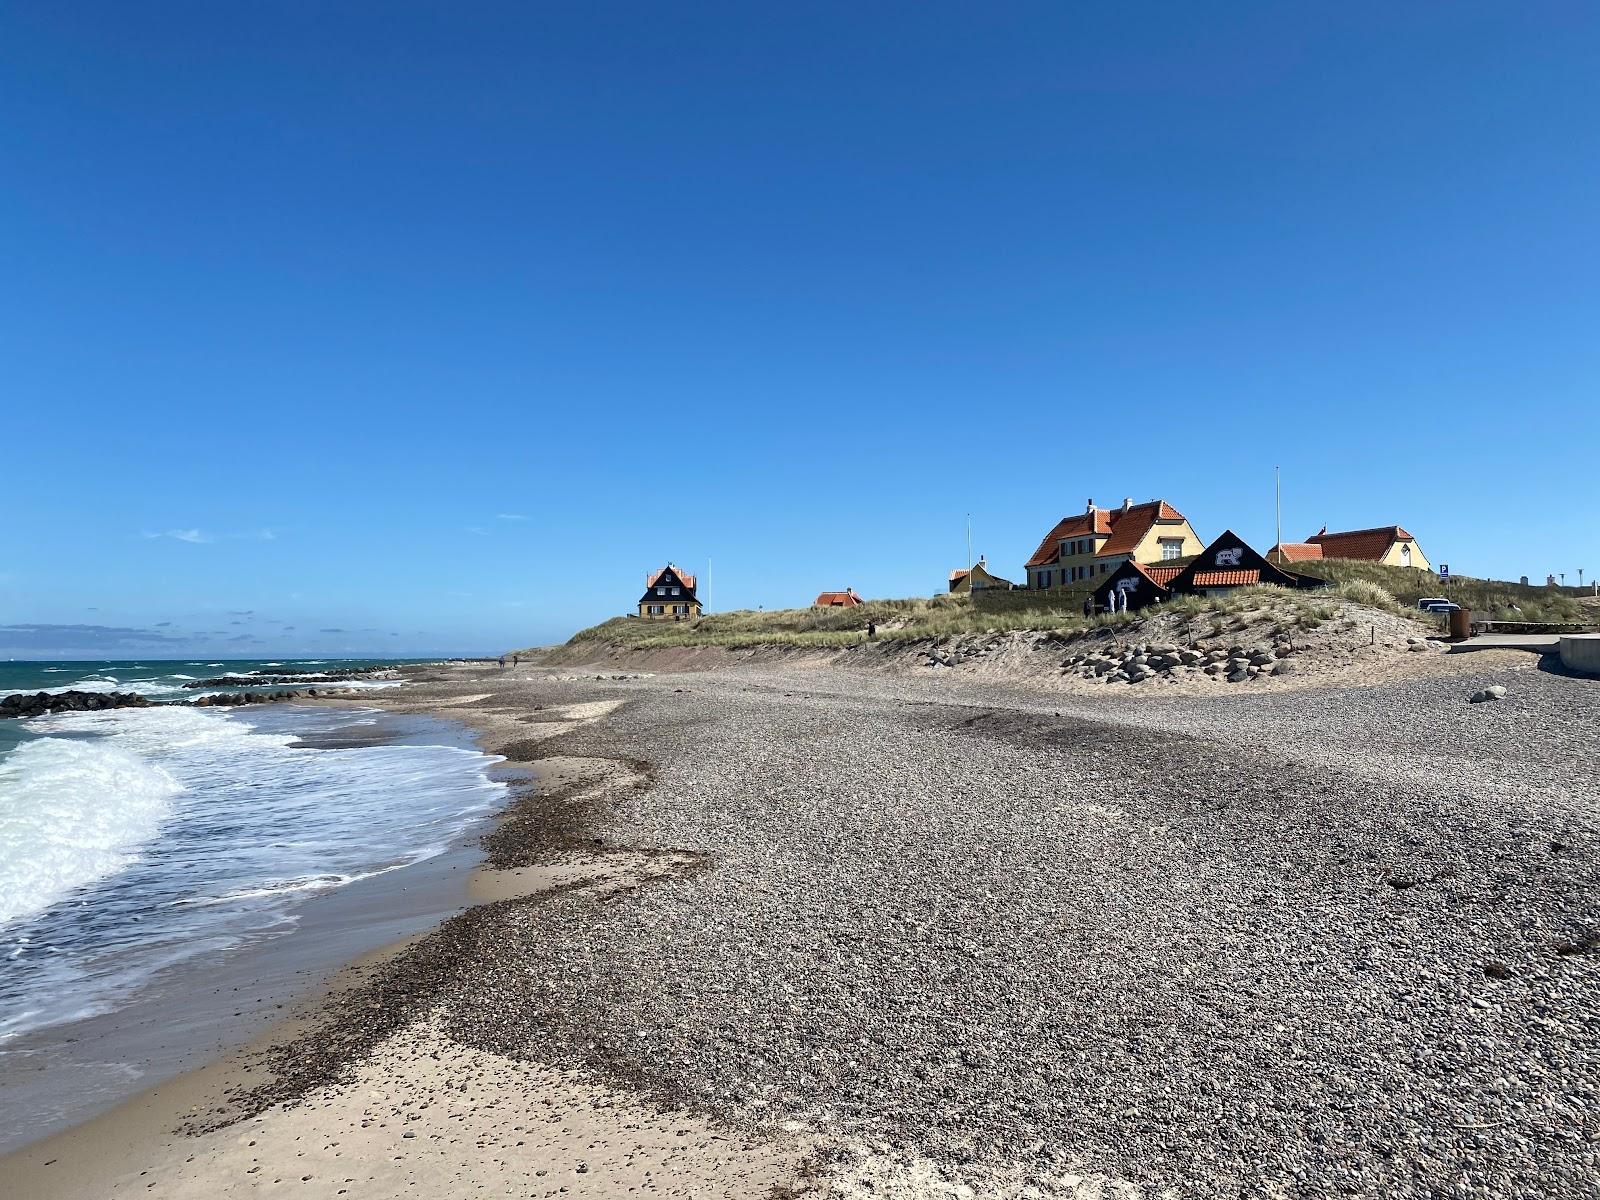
pixel 949 616
pixel 1488 599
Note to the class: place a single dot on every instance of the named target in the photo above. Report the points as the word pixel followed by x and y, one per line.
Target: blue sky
pixel 436 326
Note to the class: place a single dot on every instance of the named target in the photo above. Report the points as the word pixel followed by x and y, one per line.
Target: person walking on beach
pixel 502 662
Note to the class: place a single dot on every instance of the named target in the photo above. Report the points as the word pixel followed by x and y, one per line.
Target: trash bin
pixel 1460 623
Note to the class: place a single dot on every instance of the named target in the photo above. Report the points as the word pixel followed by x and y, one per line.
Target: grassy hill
pixel 939 617
pixel 1488 599
pixel 1391 589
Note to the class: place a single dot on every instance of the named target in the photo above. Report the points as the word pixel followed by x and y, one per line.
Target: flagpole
pixel 1277 482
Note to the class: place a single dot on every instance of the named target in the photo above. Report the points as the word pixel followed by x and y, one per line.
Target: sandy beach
pixel 798 929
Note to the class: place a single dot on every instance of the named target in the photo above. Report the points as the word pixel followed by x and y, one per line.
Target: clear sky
pixel 410 328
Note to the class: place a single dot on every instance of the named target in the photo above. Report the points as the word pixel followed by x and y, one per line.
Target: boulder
pixel 1283 667
pixel 1238 676
pixel 24 704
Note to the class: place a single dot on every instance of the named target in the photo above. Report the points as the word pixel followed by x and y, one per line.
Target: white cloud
pixel 476 530
pixel 199 537
pixel 182 535
pixel 510 517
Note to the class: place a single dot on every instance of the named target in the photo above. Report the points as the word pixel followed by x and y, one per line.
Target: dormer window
pixel 661 591
pixel 675 591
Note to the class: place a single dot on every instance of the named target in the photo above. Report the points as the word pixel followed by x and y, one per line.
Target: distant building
pixel 979 578
pixel 1229 563
pixel 844 599
pixel 1134 586
pixel 669 595
pixel 1387 544
pixel 1226 564
pixel 1097 541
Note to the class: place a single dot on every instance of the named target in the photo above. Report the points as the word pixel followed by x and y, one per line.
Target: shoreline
pixel 537 845
pixel 798 953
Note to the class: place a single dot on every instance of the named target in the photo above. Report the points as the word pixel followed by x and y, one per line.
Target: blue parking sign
pixel 1444 570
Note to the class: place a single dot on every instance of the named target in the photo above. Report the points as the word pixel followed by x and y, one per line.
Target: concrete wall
pixel 1581 652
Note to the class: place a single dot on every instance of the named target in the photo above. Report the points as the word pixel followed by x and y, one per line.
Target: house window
pixel 655 610
pixel 661 591
pixel 1405 556
pixel 1044 579
pixel 675 591
pixel 1171 548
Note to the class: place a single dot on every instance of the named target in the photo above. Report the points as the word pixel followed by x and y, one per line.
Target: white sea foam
pixel 178 832
pixel 72 812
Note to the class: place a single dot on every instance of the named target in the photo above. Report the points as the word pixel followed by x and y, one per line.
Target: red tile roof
pixel 688 579
pixel 1367 544
pixel 844 599
pixel 1295 551
pixel 1123 527
pixel 1160 575
pixel 957 575
pixel 1226 578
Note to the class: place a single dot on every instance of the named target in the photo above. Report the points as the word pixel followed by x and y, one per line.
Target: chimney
pixel 1127 503
pixel 1090 507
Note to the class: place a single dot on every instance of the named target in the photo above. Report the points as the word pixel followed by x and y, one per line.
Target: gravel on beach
pixel 1311 944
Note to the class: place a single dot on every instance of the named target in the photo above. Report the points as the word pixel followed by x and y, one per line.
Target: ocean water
pixel 135 843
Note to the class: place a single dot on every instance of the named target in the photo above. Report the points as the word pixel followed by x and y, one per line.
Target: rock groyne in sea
pixel 38 704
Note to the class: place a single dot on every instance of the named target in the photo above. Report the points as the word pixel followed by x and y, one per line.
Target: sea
pixel 142 847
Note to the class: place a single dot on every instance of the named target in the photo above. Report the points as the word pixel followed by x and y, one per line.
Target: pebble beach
pixel 851 933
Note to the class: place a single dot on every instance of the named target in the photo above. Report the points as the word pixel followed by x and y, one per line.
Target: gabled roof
pixel 1295 551
pixel 846 598
pixel 1368 544
pixel 1230 562
pixel 957 575
pixel 684 577
pixel 1125 527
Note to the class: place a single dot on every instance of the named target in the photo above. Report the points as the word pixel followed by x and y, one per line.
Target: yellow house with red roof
pixel 1387 544
pixel 1098 540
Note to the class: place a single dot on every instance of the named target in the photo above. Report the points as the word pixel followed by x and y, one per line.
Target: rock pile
pixel 24 704
pixel 232 699
pixel 1143 661
pixel 328 676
